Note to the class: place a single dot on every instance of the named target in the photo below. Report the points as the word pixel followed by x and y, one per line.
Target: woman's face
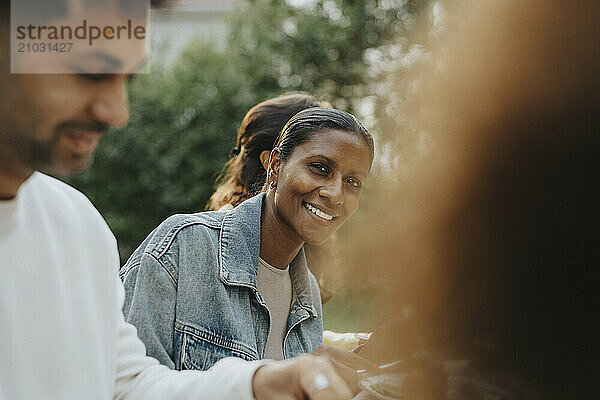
pixel 319 185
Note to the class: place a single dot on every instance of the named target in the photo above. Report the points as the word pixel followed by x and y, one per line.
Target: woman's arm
pixel 141 377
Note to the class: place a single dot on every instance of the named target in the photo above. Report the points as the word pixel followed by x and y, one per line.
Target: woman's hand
pixel 304 377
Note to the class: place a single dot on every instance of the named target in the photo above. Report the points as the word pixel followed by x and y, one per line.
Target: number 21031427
pixel 43 47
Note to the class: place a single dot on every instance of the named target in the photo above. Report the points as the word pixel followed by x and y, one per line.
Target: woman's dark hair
pixel 309 122
pixel 243 175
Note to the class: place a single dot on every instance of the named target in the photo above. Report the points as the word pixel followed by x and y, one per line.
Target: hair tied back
pixel 235 151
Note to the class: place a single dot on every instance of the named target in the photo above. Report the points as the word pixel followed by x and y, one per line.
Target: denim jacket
pixel 191 291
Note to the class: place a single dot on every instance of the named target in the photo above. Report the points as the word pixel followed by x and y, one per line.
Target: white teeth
pixel 318 212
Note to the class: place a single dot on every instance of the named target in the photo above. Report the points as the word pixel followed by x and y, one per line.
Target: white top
pixel 275 286
pixel 62 332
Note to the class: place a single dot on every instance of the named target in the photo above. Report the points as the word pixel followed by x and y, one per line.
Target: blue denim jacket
pixel 191 291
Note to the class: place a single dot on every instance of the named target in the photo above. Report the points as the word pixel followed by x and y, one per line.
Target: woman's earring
pixel 272 185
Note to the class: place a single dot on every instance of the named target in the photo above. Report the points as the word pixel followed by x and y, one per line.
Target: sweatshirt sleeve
pixel 141 377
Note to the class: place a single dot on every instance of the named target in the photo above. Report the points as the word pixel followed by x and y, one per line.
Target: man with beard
pixel 63 332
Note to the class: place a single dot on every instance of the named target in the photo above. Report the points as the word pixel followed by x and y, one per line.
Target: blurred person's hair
pixel 243 175
pixel 495 246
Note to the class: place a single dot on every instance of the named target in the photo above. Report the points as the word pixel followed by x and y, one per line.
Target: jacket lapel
pixel 239 244
pixel 239 247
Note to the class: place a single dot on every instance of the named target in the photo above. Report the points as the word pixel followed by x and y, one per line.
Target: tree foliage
pixel 320 46
pixel 185 113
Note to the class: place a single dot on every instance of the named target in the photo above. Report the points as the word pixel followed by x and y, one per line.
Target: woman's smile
pixel 319 184
pixel 315 175
pixel 318 212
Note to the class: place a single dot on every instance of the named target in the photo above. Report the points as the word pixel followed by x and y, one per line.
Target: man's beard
pixel 32 153
pixel 43 155
pixel 38 155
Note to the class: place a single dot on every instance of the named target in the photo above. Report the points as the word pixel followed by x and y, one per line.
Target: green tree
pixel 320 46
pixel 185 113
pixel 183 123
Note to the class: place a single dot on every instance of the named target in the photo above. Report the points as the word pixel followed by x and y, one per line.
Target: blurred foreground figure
pixel 496 256
pixel 63 335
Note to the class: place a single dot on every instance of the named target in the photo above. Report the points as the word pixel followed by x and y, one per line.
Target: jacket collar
pixel 239 247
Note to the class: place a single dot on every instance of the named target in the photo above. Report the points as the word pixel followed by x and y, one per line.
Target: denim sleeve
pixel 140 377
pixel 150 298
pixel 316 298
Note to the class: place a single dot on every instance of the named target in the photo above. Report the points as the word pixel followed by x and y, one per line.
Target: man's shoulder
pixel 63 201
pixel 51 188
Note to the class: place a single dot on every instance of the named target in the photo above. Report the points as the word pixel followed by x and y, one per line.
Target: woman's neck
pixel 279 244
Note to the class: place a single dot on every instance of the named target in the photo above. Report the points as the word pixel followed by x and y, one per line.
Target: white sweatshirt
pixel 62 332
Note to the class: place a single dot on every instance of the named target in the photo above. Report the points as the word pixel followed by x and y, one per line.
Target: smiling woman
pixel 318 166
pixel 217 284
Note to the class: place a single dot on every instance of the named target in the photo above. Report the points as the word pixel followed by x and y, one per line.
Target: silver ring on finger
pixel 320 382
